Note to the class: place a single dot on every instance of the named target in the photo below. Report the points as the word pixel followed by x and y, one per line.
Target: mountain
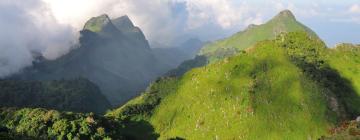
pixel 79 95
pixel 134 33
pixel 113 54
pixel 191 46
pixel 286 88
pixel 173 56
pixel 170 56
pixel 285 21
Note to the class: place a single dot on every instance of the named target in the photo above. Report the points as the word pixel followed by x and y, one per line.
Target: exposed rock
pixel 358 119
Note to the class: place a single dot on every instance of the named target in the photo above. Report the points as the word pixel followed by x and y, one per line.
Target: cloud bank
pixel 28 26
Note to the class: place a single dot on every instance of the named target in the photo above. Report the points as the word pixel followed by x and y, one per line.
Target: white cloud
pixel 225 13
pixel 28 26
pixel 355 9
pixel 155 17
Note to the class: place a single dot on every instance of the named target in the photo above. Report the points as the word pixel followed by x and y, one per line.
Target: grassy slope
pixel 279 90
pixel 225 101
pixel 283 22
pixel 345 59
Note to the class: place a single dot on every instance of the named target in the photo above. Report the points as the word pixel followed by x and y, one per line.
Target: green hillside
pixel 79 95
pixel 283 22
pixel 345 58
pixel 281 89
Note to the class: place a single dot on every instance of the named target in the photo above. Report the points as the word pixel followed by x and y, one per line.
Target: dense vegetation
pixel 44 124
pixel 79 95
pixel 282 89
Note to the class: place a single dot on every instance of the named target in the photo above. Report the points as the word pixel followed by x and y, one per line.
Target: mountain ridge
pixel 283 22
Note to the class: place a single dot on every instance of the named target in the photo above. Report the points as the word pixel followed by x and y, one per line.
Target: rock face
pixel 113 54
pixel 132 32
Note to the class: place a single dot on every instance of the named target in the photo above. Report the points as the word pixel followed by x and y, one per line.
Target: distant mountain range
pixel 173 56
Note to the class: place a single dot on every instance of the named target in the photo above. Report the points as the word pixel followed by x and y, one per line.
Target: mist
pixel 28 27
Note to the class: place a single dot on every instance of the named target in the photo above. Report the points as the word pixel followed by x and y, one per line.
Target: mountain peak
pixel 96 24
pixel 123 23
pixel 126 26
pixel 287 14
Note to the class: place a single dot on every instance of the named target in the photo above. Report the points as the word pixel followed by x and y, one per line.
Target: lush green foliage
pixel 282 89
pixel 39 123
pixel 79 95
pixel 48 124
